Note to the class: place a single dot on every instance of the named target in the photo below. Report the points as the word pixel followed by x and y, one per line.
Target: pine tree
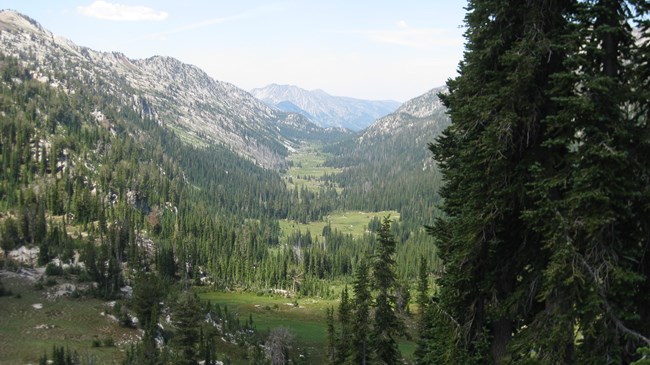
pixel 588 206
pixel 497 106
pixel 332 340
pixel 386 324
pixel 344 341
pixel 9 238
pixel 424 320
pixel 361 351
pixel 187 319
pixel 147 294
pixel 546 165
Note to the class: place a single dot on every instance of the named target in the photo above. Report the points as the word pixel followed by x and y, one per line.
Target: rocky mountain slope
pixel 415 123
pixel 179 96
pixel 389 163
pixel 410 128
pixel 324 109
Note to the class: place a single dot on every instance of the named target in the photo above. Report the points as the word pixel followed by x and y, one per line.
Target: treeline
pixel 369 324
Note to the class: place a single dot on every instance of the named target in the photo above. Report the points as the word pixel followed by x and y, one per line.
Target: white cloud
pixel 119 12
pixel 407 36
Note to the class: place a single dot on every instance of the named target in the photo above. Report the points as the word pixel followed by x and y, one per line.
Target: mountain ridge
pixel 178 95
pixel 324 109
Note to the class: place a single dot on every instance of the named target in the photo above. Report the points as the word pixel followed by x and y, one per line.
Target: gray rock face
pixel 179 96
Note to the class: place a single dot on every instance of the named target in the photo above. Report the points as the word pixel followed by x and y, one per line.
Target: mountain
pixel 324 109
pixel 181 97
pixel 414 124
pixel 389 165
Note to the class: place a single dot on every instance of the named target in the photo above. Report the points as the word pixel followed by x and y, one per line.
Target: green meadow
pixel 31 325
pixel 349 222
pixel 306 321
pixel 307 168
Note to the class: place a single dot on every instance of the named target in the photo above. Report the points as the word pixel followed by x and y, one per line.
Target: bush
pixel 84 277
pixel 96 342
pixel 73 270
pixel 53 270
pixel 109 342
pixel 50 282
pixel 3 291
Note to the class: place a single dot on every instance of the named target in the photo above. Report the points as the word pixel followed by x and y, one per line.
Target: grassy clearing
pixel 26 333
pixel 349 222
pixel 308 169
pixel 307 321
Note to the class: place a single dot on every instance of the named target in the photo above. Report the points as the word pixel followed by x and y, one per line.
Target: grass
pixel 26 333
pixel 306 322
pixel 349 222
pixel 308 169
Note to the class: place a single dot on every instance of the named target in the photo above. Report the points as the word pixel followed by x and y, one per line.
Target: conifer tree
pixel 344 317
pixel 361 351
pixel 424 320
pixel 332 340
pixel 497 106
pixel 9 238
pixel 187 319
pixel 544 242
pixel 386 324
pixel 588 207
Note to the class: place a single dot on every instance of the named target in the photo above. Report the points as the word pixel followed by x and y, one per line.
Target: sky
pixel 376 50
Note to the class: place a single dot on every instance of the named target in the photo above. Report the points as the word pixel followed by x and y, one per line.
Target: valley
pixel 153 214
pixel 131 197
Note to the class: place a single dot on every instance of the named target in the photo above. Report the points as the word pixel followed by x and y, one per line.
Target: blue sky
pixel 365 49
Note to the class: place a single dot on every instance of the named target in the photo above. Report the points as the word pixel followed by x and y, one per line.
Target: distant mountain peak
pixel 183 97
pixel 324 109
pixel 13 18
pixel 424 114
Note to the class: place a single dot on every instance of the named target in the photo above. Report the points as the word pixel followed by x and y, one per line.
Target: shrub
pixel 109 342
pixel 53 270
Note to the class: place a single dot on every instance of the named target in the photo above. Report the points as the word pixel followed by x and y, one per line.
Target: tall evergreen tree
pixel 424 319
pixel 187 319
pixel 386 325
pixel 546 165
pixel 590 207
pixel 344 316
pixel 361 351
pixel 497 106
pixel 332 340
pixel 9 238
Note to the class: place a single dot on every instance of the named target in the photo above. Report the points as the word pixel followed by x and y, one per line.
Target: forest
pixel 527 241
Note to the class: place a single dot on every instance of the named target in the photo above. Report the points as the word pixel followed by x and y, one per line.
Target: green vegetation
pixel 306 168
pixel 545 238
pixel 306 320
pixel 542 224
pixel 31 325
pixel 349 222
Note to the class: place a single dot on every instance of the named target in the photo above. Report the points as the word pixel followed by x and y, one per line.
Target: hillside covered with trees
pixel 522 234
